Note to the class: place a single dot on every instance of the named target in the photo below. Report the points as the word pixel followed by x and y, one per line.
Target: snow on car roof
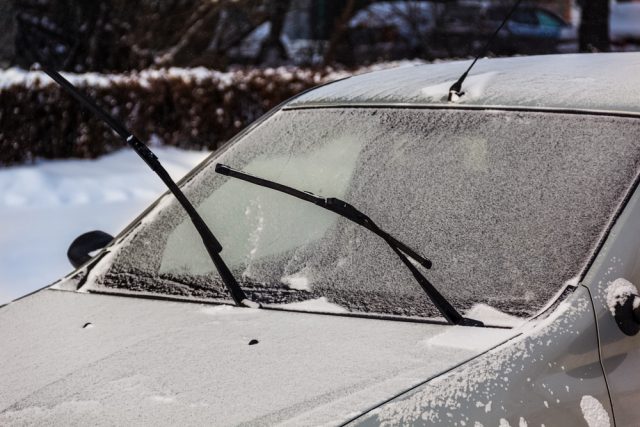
pixel 604 81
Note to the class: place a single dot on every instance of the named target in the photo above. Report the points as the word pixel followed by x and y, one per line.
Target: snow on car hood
pixel 71 358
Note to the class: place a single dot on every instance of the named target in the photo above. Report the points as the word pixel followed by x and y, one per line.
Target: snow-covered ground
pixel 43 207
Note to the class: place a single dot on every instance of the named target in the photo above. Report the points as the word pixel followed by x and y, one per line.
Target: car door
pixel 619 258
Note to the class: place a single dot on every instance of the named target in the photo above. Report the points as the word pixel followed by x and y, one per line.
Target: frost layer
pixel 507 205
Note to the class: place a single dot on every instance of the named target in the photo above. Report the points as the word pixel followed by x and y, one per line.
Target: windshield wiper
pixel 349 212
pixel 211 244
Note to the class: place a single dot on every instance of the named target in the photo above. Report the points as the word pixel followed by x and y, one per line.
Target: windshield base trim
pixel 153 296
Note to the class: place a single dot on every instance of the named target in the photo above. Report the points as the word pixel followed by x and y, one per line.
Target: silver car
pixel 408 261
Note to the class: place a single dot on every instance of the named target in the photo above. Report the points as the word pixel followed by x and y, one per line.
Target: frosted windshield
pixel 508 205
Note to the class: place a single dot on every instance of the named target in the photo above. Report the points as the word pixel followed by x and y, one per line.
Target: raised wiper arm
pixel 349 212
pixel 211 244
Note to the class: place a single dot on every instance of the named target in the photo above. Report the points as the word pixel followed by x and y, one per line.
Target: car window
pixel 508 205
pixel 526 16
pixel 549 20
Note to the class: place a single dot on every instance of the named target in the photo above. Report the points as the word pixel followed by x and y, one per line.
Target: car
pixel 401 29
pixel 359 219
pixel 529 30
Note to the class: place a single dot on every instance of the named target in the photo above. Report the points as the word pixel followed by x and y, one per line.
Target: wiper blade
pixel 211 244
pixel 349 212
pixel 337 206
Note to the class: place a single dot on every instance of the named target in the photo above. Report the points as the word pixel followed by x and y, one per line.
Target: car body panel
pixel 78 358
pixel 619 258
pixel 550 375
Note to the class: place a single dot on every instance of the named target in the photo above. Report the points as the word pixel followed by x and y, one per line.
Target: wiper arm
pixel 349 212
pixel 211 244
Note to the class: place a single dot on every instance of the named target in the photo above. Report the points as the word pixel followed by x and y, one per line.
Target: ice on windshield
pixel 266 222
pixel 507 205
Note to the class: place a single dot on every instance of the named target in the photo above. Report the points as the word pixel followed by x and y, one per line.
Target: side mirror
pixel 624 303
pixel 83 245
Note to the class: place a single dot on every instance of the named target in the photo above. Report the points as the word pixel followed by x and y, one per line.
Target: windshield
pixel 507 205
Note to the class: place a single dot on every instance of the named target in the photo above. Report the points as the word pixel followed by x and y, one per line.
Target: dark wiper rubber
pixel 349 212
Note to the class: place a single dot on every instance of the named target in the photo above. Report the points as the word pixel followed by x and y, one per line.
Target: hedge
pixel 189 108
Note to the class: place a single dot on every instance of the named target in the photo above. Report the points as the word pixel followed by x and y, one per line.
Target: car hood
pixel 71 358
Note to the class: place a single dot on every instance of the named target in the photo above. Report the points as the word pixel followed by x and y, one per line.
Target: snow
pixel 594 413
pixel 43 207
pixel 492 316
pixel 469 339
pixel 250 304
pixel 297 281
pixel 474 87
pixel 618 292
pixel 607 81
pixel 151 362
pixel 321 304
pixel 17 76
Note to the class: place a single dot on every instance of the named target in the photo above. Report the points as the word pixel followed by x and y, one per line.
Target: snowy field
pixel 43 207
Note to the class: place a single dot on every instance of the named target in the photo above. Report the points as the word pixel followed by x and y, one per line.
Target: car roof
pixel 603 81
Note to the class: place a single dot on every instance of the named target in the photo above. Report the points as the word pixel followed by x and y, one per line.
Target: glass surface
pixel 508 205
pixel 548 20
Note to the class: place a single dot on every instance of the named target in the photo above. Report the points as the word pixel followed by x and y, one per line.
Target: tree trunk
pixel 594 26
pixel 339 31
pixel 8 34
pixel 272 49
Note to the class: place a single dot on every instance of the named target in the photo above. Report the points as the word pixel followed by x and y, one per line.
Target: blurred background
pixel 187 75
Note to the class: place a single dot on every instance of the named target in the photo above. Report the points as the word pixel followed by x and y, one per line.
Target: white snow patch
pixel 250 304
pixel 504 423
pixel 468 338
pixel 618 292
pixel 318 305
pixel 492 316
pixel 574 281
pixel 473 87
pixel 221 310
pixel 297 281
pixel 522 422
pixel 593 412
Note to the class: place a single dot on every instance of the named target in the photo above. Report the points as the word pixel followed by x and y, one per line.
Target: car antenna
pixel 349 212
pixel 211 244
pixel 455 91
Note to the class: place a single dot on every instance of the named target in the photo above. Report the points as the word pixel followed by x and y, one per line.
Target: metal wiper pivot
pixel 349 212
pixel 211 244
pixel 455 91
